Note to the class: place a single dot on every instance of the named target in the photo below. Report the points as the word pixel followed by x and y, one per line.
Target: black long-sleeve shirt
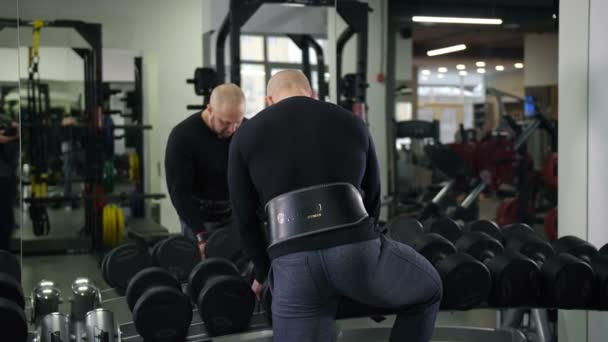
pixel 296 143
pixel 196 164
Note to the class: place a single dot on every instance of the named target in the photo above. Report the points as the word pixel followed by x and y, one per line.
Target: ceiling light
pixel 519 65
pixel 292 4
pixel 481 71
pixel 480 64
pixel 461 67
pixel 445 50
pixel 426 72
pixel 440 76
pixel 462 73
pixel 499 68
pixel 454 20
pixel 442 69
pixel 424 78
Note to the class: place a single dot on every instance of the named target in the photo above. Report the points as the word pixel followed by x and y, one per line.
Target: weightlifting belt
pixel 314 210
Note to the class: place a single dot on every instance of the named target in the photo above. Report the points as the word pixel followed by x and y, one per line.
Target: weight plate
pixel 600 268
pixel 445 227
pixel 10 289
pixel 14 323
pixel 604 250
pixel 124 262
pixel 404 229
pixel 479 245
pixel 206 269
pixel 226 305
pixel 433 247
pixel 104 271
pixel 146 278
pixel 162 313
pixel 576 247
pixel 466 282
pixel 567 282
pixel 516 280
pixel 223 244
pixel 178 254
pixel 9 264
pixel 485 226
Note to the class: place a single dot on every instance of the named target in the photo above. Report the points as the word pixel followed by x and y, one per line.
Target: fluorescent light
pixel 519 65
pixel 481 71
pixel 445 50
pixel 424 78
pixel 440 76
pixel 500 68
pixel 461 67
pixel 480 64
pixel 442 69
pixel 462 73
pixel 291 4
pixel 454 20
pixel 426 72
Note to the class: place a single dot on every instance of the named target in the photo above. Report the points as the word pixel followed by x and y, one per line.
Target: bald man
pixel 196 162
pixel 310 167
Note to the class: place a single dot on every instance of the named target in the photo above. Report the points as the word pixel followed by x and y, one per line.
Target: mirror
pixel 10 211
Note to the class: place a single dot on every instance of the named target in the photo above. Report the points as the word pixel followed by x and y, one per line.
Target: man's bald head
pixel 286 84
pixel 226 109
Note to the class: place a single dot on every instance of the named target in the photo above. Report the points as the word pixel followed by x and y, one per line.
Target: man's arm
pixel 245 200
pixel 371 182
pixel 179 169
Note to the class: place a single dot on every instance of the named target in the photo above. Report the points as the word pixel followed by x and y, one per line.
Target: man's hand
pixel 201 248
pixel 257 288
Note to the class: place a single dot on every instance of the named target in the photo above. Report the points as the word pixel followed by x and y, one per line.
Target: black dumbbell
pixel 224 243
pixel 466 281
pixel 604 250
pixel 484 226
pixel 445 227
pixel 600 290
pixel 121 263
pixel 566 280
pixel 161 311
pixel 224 299
pixel 177 254
pixel 515 278
pixel 12 301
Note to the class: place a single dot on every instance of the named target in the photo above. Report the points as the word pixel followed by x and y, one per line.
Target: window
pixel 283 50
pixel 253 83
pixel 252 48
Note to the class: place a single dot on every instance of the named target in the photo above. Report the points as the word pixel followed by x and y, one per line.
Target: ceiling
pixel 504 42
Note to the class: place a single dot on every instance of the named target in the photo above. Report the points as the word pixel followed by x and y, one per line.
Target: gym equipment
pixel 161 311
pixel 178 255
pixel 85 297
pixel 12 302
pixel 113 225
pixel 604 250
pixel 484 226
pixel 515 278
pixel 575 246
pixel 550 171
pixel 45 299
pixel 466 281
pixel 124 261
pixel 224 243
pixel 205 79
pixel 445 227
pixel 224 299
pixel 550 224
pixel 600 290
pixel 108 176
pixel 55 327
pixel 566 280
pixel 100 326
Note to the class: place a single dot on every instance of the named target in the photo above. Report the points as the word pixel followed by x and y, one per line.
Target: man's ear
pixel 269 100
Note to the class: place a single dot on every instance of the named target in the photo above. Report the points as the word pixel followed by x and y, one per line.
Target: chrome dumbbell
pixel 85 297
pixel 55 327
pixel 45 299
pixel 100 326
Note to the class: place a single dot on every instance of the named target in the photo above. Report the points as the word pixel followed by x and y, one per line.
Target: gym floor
pixel 63 269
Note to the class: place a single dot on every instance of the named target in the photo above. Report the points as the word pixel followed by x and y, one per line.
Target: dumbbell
pixel 224 299
pixel 177 254
pixel 85 298
pixel 121 263
pixel 484 226
pixel 445 227
pixel 55 327
pixel 161 311
pixel 604 250
pixel 224 243
pixel 466 281
pixel 45 299
pixel 12 301
pixel 588 253
pixel 100 326
pixel 566 280
pixel 515 278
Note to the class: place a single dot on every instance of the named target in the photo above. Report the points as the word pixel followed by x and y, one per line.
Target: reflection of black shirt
pixel 196 162
pixel 296 143
pixel 9 152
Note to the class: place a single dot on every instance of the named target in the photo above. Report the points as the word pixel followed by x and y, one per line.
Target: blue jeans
pixel 382 273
